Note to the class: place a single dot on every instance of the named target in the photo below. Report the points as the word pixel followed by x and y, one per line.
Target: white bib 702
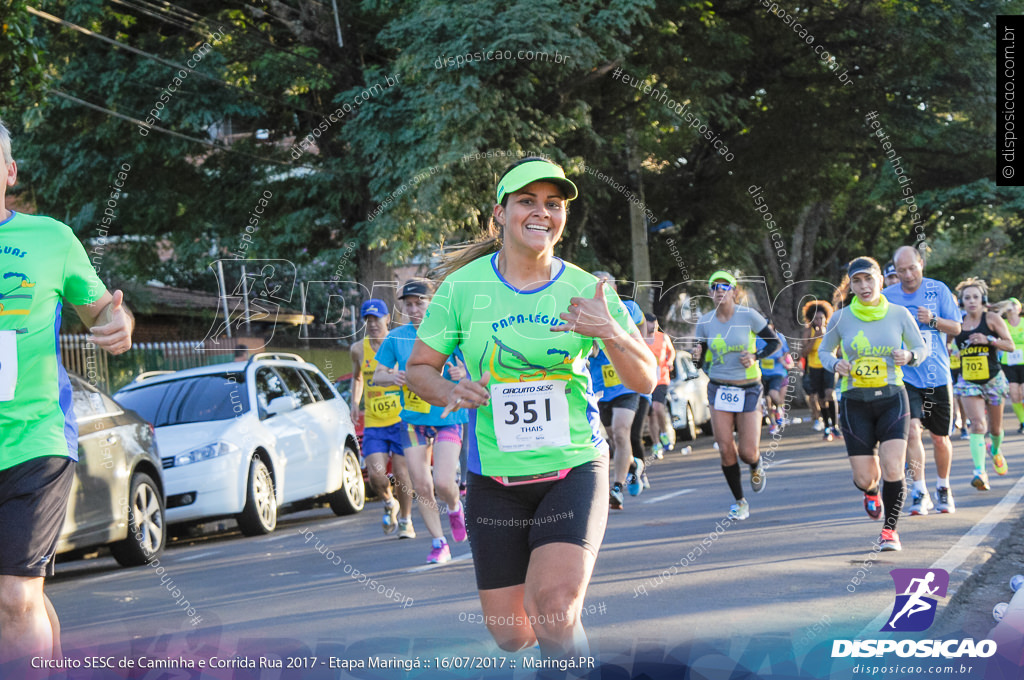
pixel 530 415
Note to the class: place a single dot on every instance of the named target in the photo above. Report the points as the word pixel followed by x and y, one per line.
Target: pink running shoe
pixel 439 555
pixel 457 520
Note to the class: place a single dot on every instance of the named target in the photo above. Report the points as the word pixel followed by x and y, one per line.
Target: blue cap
pixel 374 307
pixel 635 312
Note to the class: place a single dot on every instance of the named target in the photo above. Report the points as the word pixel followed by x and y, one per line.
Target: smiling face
pixel 533 218
pixel 866 286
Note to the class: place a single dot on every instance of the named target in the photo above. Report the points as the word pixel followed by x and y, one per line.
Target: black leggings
pixel 636 432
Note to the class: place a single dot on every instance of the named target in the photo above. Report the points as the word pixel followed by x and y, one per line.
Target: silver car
pixel 117 497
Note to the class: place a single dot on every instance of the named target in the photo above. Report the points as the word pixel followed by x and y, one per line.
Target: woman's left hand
pixel 458 371
pixel 747 359
pixel 901 357
pixel 589 316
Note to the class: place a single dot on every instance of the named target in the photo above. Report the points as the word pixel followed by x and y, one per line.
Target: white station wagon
pixel 243 439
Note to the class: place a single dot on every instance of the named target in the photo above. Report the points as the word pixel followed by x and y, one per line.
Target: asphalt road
pixel 673 586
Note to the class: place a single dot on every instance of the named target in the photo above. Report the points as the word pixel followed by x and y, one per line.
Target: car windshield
pixel 191 400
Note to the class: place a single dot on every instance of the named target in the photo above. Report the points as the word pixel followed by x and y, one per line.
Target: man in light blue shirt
pixel 929 386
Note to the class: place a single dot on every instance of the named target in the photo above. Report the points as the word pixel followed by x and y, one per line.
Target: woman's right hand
pixel 843 368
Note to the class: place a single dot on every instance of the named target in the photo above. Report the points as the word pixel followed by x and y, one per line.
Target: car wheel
pixel 689 430
pixel 259 516
pixel 351 497
pixel 147 531
pixel 706 427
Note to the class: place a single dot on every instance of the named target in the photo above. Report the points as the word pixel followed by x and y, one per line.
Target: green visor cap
pixel 535 171
pixel 722 276
pixel 1014 301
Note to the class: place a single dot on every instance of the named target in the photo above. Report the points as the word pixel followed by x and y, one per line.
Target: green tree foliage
pixel 408 132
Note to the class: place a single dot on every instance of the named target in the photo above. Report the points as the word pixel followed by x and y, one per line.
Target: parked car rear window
pixel 320 382
pixel 191 400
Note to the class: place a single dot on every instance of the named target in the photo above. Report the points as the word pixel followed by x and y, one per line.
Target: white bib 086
pixel 729 398
pixel 530 415
pixel 8 364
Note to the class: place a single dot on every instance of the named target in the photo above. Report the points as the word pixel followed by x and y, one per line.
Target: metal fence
pixel 110 373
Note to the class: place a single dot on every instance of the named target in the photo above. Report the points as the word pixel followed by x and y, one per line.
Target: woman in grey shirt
pixel 876 338
pixel 727 351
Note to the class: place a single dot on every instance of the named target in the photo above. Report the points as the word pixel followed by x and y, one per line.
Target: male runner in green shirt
pixel 42 266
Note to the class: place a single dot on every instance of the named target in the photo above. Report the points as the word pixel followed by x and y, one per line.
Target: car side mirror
pixel 282 405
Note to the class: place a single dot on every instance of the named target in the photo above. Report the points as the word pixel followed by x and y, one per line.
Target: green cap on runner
pixel 722 275
pixel 535 171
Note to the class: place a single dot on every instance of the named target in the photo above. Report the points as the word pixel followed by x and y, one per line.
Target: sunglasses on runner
pixel 720 286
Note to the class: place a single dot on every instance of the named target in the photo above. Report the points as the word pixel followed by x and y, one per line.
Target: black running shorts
pixel 933 406
pixel 820 380
pixel 660 394
pixel 867 423
pixel 33 502
pixel 506 523
pixel 1014 374
pixel 629 401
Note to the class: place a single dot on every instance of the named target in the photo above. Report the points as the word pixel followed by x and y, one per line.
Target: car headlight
pixel 205 453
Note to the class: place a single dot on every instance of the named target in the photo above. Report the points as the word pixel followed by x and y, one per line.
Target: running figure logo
pixel 914 609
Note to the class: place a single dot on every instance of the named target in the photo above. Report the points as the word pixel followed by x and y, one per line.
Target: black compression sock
pixel 732 476
pixel 892 498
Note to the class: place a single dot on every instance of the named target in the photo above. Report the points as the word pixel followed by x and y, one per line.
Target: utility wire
pixel 204 30
pixel 172 133
pixel 173 22
pixel 135 50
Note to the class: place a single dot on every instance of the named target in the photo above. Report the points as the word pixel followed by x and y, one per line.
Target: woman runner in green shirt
pixel 525 320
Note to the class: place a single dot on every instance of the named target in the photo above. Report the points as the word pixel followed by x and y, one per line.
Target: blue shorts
pixel 383 440
pixel 420 435
pixel 773 382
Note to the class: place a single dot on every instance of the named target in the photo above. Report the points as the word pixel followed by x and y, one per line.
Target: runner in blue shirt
pixel 424 425
pixel 775 379
pixel 618 407
pixel 929 386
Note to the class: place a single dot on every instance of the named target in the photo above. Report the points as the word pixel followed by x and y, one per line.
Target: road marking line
pixel 960 551
pixel 658 499
pixel 197 555
pixel 773 463
pixel 427 567
pixel 107 577
pixel 277 537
